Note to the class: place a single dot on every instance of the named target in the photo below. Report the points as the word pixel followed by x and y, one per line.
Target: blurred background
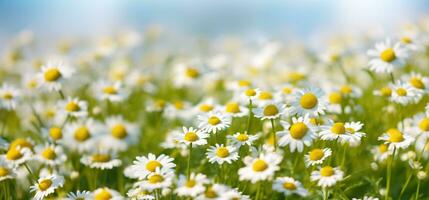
pixel 203 17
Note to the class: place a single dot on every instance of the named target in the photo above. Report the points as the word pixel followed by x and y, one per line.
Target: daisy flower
pixel 354 128
pixel 137 193
pixel 101 160
pixel 308 101
pixel 297 134
pixel 335 131
pixel 213 122
pixel 213 191
pixel 234 109
pixel 404 93
pixel 260 168
pixel 81 135
pixel 22 143
pixel 143 165
pixel 7 170
pixel 234 194
pixel 264 97
pixel 316 156
pixel 366 198
pixel 386 56
pixel 46 186
pixel 53 74
pixel 240 139
pixel 192 135
pixel 381 152
pixel 192 187
pixel 113 92
pixel 74 107
pixel 49 154
pixel 289 186
pixel 79 195
pixel 121 133
pixel 417 81
pixel 186 75
pixel 327 176
pixel 396 139
pixel 221 154
pixel 17 155
pixel 206 106
pixel 270 110
pixel 384 92
pixel 106 193
pixel 8 97
pixel 160 179
pixel 250 94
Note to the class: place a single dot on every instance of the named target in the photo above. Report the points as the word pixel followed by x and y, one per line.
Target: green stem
pixel 33 177
pixel 188 169
pixel 61 94
pixel 274 134
pixel 389 173
pixel 418 190
pixel 392 78
pixel 325 193
pixel 405 185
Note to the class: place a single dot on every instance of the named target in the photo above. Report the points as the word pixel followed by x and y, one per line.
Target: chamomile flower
pixel 106 193
pixel 213 191
pixel 250 94
pixel 289 186
pixel 404 93
pixel 143 165
pixel 417 81
pixel 46 186
pixel 114 92
pixel 137 193
pixel 186 75
pixel 53 74
pixel 327 176
pixel 7 170
pixel 298 134
pixel 271 110
pixel 81 135
pixel 17 155
pixel 381 152
pixel 192 135
pixel 101 160
pixel 120 133
pixel 233 194
pixel 206 106
pixel 354 128
pixel 316 156
pixel 79 195
pixel 387 56
pixel 160 179
pixel 264 97
pixel 221 154
pixel 240 139
pixel 213 122
pixel 396 139
pixel 9 97
pixel 51 155
pixel 308 101
pixel 234 109
pixel 260 168
pixel 191 187
pixel 74 107
pixel 335 131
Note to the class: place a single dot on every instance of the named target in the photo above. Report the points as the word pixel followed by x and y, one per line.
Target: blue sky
pixel 302 17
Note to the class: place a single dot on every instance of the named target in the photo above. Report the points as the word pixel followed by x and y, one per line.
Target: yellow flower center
pixel 179 105
pixel 335 98
pixel 160 103
pixel 72 107
pixel 338 128
pixel 20 142
pixel 382 148
pixel 406 40
pixel 250 92
pixel 101 158
pixel 7 95
pixel 45 184
pixel 308 101
pixel 190 183
pixel 4 171
pixel 232 107
pixel 424 124
pixel 345 89
pixel 222 152
pixel 119 131
pixel 271 110
pixel 49 153
pixel 298 130
pixel 155 179
pixel 110 90
pixel 259 165
pixel 82 134
pixel 152 165
pixel 287 90
pixel 386 92
pixel 395 135
pixel 210 193
pixel 388 55
pixel 213 120
pixel 242 137
pixel 316 154
pixel 327 171
pixel 296 76
pixel 289 186
pixel 244 83
pixel 206 107
pixel 55 133
pixel 104 194
pixel 192 72
pixel 264 95
pixel 191 137
pixel 52 75
pixel 417 83
pixel 401 92
pixel 13 154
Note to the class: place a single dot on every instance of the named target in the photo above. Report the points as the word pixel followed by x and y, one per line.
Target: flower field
pixel 144 115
